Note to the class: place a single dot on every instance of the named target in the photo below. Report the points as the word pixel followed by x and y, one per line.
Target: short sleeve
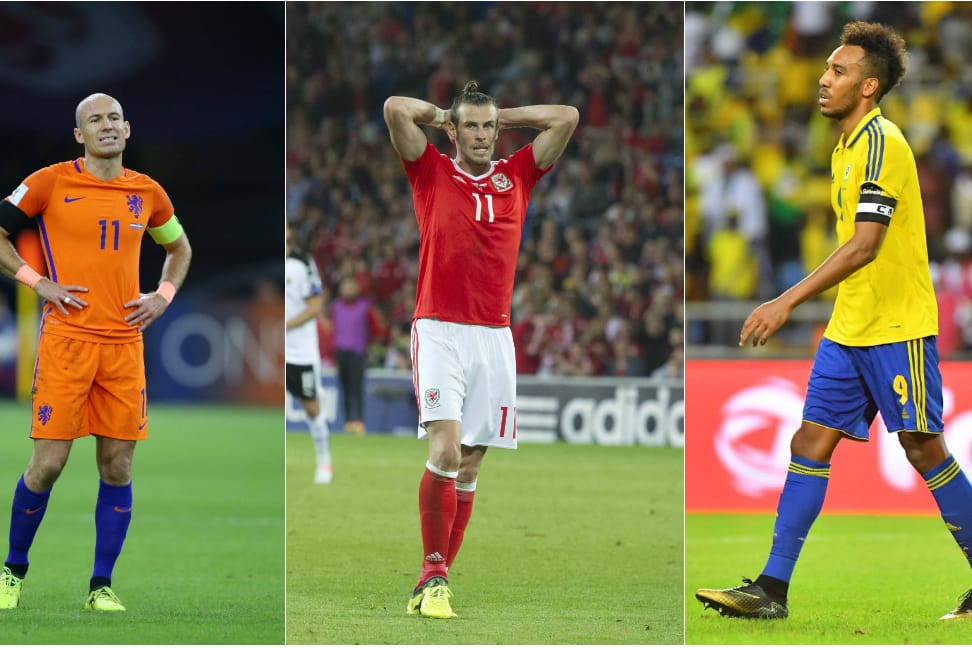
pixel 888 164
pixel 33 194
pixel 423 167
pixel 522 164
pixel 162 209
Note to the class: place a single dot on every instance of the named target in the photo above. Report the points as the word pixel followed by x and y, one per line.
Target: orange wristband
pixel 167 290
pixel 27 276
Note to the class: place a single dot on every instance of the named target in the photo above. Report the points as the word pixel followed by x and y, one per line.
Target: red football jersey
pixel 469 235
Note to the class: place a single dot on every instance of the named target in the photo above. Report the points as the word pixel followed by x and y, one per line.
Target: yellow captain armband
pixel 167 232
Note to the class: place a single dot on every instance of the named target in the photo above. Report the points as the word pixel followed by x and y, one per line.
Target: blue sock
pixel 113 513
pixel 800 503
pixel 26 514
pixel 953 494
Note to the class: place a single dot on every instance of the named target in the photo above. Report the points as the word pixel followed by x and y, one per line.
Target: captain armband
pixel 11 218
pixel 875 205
pixel 168 232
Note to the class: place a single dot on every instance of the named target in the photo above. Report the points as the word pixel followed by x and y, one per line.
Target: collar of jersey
pixel 862 125
pixel 492 167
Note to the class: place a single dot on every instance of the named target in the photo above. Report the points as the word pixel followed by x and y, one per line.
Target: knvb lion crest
pixel 433 398
pixel 134 204
pixel 500 181
pixel 44 413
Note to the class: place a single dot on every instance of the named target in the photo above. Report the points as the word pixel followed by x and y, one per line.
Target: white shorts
pixel 466 373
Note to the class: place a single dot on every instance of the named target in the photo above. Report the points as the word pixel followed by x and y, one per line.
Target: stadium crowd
pixel 599 286
pixel 758 215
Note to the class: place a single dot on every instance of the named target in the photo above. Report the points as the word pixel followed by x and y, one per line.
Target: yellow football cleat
pixel 9 589
pixel 104 600
pixel 432 600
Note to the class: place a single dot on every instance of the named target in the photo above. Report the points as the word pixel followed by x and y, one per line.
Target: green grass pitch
pixel 203 560
pixel 860 580
pixel 566 545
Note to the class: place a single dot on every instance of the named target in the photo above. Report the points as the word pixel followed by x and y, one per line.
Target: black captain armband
pixel 875 205
pixel 11 218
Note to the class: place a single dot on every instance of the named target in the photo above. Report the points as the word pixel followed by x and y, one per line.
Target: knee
pixel 115 469
pixel 923 451
pixel 312 407
pixel 802 445
pixel 445 457
pixel 814 443
pixel 468 474
pixel 43 471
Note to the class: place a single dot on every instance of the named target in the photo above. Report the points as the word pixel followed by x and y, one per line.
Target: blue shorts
pixel 850 385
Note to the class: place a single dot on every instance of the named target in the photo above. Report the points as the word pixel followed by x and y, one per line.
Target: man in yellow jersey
pixel 89 375
pixel 879 351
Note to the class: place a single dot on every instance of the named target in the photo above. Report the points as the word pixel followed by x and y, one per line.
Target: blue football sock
pixel 800 503
pixel 26 514
pixel 113 513
pixel 953 494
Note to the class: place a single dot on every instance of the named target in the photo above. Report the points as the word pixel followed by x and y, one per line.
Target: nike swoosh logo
pixel 141 426
pixel 119 509
pixel 32 511
pixel 71 200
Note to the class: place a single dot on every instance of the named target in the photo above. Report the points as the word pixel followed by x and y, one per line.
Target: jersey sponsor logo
pixel 433 398
pixel 135 203
pixel 44 413
pixel 501 182
pixel 68 199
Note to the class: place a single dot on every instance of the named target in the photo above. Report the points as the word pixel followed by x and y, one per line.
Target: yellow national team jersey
pixel 891 299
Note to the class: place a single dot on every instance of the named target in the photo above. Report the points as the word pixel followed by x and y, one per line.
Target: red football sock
pixel 437 509
pixel 464 502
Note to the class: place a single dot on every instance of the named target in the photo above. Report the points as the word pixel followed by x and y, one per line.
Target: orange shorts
pixel 83 388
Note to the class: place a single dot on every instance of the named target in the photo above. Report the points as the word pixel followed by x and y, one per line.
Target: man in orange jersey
pixel 89 376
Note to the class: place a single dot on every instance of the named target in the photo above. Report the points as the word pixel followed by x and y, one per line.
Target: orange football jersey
pixel 91 233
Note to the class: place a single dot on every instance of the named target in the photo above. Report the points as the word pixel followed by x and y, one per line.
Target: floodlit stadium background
pixel 600 280
pixel 207 116
pixel 758 153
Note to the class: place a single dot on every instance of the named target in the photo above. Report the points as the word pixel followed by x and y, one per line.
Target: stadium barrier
pixel 602 411
pixel 742 415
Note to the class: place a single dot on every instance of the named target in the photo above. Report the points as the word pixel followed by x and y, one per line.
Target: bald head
pixel 95 102
pixel 101 127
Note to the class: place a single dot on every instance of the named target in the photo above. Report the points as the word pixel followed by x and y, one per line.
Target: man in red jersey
pixel 470 212
pixel 89 375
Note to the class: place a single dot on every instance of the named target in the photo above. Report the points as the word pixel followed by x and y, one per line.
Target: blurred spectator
pixel 354 322
pixel 602 240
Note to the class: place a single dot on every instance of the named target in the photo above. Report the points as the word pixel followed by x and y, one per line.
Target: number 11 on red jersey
pixel 479 209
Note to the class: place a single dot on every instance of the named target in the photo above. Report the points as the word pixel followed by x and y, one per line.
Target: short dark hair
pixel 885 55
pixel 470 95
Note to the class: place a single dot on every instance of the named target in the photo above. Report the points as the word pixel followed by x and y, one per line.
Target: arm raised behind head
pixel 557 124
pixel 404 115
